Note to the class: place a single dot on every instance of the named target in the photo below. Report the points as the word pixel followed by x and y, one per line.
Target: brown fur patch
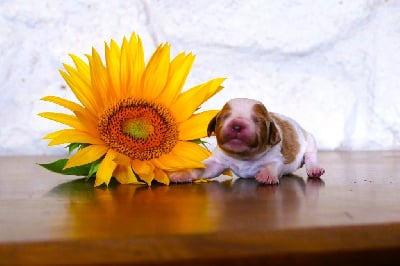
pixel 268 134
pixel 260 110
pixel 261 118
pixel 215 124
pixel 290 142
pixel 220 118
pixel 211 126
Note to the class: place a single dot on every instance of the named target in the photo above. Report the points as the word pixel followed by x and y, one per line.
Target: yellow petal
pixel 155 75
pixel 80 88
pixel 147 178
pixel 214 86
pixel 82 72
pixel 99 80
pixel 125 67
pixel 106 169
pixel 125 175
pixel 135 55
pixel 63 102
pixel 185 155
pixel 178 72
pixel 122 160
pixel 113 55
pixel 191 151
pixel 141 167
pixel 86 155
pixel 196 126
pixel 88 122
pixel 173 162
pixel 74 136
pixel 189 101
pixel 82 67
pixel 65 119
pixel 144 170
pixel 161 177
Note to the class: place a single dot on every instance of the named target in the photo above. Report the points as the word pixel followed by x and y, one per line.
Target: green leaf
pixel 93 168
pixel 73 146
pixel 200 142
pixel 58 167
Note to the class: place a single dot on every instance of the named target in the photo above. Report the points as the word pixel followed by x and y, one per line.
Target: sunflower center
pixel 139 129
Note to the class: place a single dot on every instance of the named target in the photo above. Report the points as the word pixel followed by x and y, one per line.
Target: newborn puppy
pixel 255 143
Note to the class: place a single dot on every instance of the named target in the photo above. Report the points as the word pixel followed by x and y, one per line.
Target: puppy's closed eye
pixel 257 119
pixel 223 116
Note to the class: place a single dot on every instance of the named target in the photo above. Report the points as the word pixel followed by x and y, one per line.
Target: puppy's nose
pixel 237 128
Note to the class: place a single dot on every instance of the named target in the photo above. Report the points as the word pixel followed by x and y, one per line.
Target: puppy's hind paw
pixel 315 172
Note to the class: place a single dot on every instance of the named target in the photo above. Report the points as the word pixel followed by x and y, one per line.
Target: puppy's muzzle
pixel 237 128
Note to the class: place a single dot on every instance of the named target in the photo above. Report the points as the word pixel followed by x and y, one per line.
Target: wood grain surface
pixel 350 216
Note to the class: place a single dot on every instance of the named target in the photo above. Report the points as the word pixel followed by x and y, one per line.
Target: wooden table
pixel 351 216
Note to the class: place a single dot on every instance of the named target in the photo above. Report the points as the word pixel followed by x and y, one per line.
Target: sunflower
pixel 132 122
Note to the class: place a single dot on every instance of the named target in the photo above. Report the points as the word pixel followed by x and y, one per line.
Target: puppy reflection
pixel 249 204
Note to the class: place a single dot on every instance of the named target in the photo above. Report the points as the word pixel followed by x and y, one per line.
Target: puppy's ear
pixel 211 125
pixel 274 136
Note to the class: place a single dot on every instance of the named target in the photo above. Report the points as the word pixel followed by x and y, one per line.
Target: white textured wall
pixel 334 65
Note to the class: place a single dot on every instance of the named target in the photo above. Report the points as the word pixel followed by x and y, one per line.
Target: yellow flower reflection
pixel 138 210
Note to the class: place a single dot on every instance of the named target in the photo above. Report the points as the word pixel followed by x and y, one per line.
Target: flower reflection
pixel 128 210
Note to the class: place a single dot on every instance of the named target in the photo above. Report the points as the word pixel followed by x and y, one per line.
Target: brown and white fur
pixel 255 143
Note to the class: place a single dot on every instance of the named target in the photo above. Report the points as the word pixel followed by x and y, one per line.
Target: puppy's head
pixel 244 128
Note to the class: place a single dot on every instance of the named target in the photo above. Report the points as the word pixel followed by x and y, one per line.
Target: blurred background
pixel 333 65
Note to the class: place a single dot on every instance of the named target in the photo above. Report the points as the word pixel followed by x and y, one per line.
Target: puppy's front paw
pixel 266 178
pixel 181 177
pixel 315 172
